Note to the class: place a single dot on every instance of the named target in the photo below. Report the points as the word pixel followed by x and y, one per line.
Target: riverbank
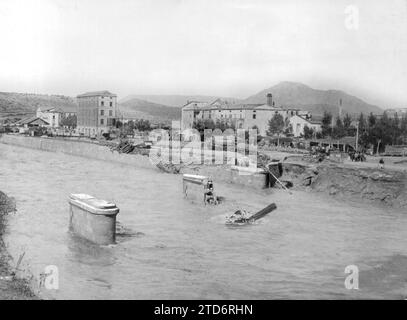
pixel 348 180
pixel 11 288
pixel 174 247
pixel 383 187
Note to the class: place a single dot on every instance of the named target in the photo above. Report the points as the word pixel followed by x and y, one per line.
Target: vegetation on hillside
pixel 27 103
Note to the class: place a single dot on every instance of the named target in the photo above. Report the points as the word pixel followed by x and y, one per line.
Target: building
pixel 32 121
pixel 242 116
pixel 298 122
pixel 97 112
pixel 52 116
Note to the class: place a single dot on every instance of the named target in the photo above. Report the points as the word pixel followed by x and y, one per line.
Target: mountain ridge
pixel 301 96
pixel 286 94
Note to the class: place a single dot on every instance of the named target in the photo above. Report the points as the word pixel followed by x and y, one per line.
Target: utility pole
pixel 357 136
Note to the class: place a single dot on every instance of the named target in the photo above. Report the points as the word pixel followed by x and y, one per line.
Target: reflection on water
pixel 85 252
pixel 169 247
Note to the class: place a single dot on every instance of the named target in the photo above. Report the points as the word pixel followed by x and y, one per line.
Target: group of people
pixel 357 156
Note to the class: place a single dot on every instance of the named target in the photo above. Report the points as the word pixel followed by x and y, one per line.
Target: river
pixel 173 248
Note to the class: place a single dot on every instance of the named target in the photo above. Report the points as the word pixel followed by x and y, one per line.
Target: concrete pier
pixel 93 219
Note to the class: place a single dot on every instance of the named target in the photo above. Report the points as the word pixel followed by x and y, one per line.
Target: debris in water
pixel 241 217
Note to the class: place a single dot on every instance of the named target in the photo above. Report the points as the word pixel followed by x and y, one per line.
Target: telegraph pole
pixel 357 136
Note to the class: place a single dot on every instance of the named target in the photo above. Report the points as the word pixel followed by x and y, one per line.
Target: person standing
pixel 381 163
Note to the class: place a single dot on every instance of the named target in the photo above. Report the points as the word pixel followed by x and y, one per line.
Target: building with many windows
pixel 242 116
pixel 97 112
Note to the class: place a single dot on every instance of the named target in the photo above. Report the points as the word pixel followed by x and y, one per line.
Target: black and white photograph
pixel 196 150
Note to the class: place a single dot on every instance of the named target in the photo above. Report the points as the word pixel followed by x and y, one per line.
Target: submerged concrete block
pixel 93 219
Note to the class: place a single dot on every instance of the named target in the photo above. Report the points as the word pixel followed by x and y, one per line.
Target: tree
pixel 362 123
pixel 308 132
pixel 276 126
pixel 371 120
pixel 199 125
pixel 326 124
pixel 69 121
pixel 396 130
pixel 347 125
pixel 403 128
pixel 119 124
pixel 339 130
pixel 223 125
pixel 209 124
pixel 288 130
pixel 142 125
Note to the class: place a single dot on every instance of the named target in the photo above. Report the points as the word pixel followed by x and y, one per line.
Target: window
pixel 110 112
pixel 111 104
pixel 102 121
pixel 254 114
pixel 102 112
pixel 102 103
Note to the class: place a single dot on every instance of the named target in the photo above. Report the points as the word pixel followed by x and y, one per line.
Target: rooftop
pixel 58 109
pixel 32 119
pixel 103 93
pixel 219 104
pixel 311 121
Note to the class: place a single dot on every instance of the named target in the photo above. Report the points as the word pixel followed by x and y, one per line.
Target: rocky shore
pixel 11 287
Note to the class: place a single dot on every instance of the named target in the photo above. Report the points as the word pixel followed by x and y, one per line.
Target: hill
pixel 24 104
pixel 176 100
pixel 298 95
pixel 137 108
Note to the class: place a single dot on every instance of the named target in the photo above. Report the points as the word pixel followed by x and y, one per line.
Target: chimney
pixel 269 99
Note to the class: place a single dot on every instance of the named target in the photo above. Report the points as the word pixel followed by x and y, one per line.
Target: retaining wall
pixel 219 173
pixel 77 148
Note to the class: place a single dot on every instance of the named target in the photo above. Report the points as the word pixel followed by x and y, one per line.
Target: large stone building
pixel 242 116
pixel 97 112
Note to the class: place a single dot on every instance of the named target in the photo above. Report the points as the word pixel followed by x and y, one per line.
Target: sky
pixel 232 48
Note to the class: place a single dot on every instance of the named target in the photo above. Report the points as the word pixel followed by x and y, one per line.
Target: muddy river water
pixel 173 248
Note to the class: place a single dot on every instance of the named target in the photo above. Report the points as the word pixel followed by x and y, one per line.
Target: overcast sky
pixel 219 47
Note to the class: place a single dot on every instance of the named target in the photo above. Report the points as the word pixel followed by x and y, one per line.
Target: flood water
pixel 173 248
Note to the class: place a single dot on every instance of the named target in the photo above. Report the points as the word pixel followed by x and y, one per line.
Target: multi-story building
pixel 242 116
pixel 97 112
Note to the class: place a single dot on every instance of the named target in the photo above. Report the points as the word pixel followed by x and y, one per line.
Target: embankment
pixel 76 148
pixel 219 173
pixel 11 288
pixel 384 187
